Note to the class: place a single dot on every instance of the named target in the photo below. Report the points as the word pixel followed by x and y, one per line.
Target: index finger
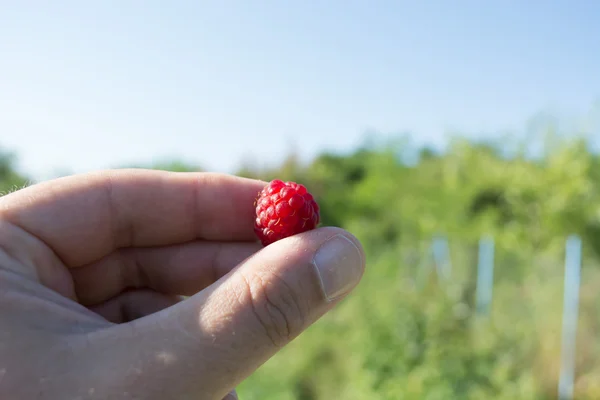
pixel 84 217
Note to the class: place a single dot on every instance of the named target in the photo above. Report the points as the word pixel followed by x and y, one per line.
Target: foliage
pixel 404 334
pixel 10 179
pixel 396 339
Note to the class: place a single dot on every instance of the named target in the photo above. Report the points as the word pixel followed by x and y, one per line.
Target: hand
pixel 93 267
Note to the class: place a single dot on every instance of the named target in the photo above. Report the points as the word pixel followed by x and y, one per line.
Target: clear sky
pixel 89 85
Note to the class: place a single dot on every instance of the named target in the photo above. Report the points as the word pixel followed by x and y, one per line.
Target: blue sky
pixel 90 85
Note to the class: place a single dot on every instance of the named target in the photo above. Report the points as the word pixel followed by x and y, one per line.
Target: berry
pixel 284 209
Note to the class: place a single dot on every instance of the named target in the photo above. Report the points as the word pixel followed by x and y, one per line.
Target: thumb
pixel 212 341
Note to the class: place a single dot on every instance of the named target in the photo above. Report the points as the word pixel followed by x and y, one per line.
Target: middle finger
pixel 182 269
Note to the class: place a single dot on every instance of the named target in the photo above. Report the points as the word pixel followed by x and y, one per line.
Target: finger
pixel 134 304
pixel 179 269
pixel 221 335
pixel 85 217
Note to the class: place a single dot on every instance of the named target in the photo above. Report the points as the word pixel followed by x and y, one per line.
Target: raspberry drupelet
pixel 284 209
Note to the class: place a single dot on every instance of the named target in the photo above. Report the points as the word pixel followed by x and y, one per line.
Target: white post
pixel 485 275
pixel 441 255
pixel 570 317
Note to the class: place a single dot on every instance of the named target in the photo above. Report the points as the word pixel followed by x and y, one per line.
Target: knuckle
pixel 278 308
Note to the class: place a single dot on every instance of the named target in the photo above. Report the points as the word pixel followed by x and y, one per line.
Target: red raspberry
pixel 284 209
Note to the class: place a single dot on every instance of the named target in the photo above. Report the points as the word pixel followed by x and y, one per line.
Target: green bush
pixel 407 335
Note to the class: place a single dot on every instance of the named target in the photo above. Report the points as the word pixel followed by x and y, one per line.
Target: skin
pixel 93 268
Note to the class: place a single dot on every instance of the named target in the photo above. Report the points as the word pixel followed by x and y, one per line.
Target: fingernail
pixel 339 265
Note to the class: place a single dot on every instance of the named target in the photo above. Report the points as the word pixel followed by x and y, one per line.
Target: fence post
pixel 485 275
pixel 441 256
pixel 570 317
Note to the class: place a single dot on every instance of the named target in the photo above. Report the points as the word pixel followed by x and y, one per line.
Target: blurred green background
pixel 404 333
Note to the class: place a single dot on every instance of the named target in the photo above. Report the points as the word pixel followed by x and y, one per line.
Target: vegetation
pixel 10 179
pixel 404 334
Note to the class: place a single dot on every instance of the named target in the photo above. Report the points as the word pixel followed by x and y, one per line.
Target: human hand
pixel 93 267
